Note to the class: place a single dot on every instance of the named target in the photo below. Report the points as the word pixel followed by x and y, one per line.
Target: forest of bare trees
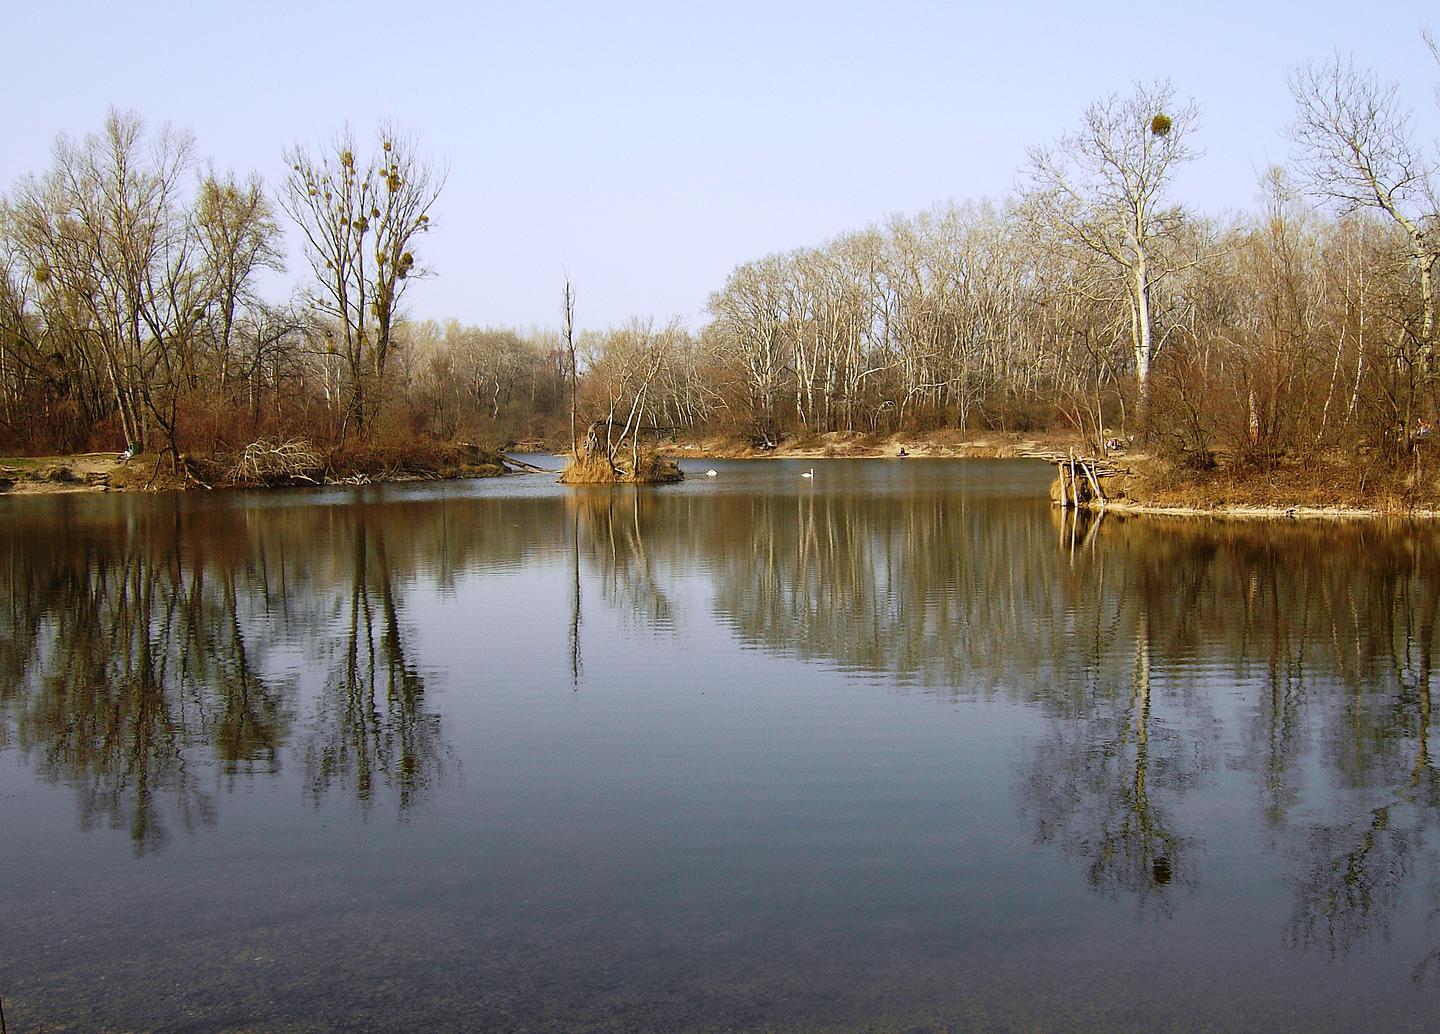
pixel 1093 300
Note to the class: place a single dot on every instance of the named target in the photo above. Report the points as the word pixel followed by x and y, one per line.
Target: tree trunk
pixel 1141 327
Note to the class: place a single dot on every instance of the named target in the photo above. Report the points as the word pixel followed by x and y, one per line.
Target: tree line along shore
pixel 1285 354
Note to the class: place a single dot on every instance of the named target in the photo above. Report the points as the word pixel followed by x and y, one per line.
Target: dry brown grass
pixel 278 462
pixel 596 469
pixel 416 457
pixel 1317 484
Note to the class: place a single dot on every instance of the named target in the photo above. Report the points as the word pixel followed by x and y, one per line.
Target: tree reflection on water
pixel 124 654
pixel 1104 780
pixel 152 654
pixel 1128 638
pixel 141 662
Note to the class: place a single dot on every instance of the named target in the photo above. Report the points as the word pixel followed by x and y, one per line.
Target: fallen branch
pixel 270 460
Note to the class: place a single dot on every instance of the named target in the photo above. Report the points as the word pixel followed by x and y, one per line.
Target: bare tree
pixel 237 235
pixel 361 221
pixel 749 313
pixel 624 368
pixel 107 239
pixel 1103 189
pixel 568 316
pixel 1357 150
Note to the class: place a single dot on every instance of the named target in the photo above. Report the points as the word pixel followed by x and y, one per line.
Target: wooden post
pixel 1094 483
pixel 1074 526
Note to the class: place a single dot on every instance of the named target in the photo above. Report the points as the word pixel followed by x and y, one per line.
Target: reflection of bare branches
pixel 1352 889
pixel 1354 873
pixel 1357 870
pixel 1277 726
pixel 136 637
pixel 614 521
pixel 355 741
pixel 920 587
pixel 1103 782
pixel 131 660
pixel 575 660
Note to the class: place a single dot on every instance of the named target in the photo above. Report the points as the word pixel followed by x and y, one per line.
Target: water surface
pixel 894 747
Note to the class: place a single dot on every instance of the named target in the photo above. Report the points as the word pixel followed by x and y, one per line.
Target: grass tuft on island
pixel 596 468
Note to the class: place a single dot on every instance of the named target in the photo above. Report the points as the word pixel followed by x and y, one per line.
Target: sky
pixel 647 149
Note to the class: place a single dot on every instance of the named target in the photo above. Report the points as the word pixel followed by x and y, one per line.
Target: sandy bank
pixel 945 444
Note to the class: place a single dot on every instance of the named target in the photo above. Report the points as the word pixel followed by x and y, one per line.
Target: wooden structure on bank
pixel 1080 481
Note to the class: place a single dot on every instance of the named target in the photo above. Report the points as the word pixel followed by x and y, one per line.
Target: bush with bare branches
pixel 277 461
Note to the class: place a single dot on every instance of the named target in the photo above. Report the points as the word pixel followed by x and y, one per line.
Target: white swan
pixel 711 473
pixel 809 473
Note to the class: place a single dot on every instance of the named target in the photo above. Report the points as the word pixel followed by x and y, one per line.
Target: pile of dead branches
pixel 278 461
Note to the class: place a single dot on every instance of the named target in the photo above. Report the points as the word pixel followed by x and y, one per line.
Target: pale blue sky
pixel 649 148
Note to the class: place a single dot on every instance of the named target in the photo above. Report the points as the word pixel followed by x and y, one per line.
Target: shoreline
pixel 1137 482
pixel 944 444
pixel 96 473
pixel 1136 496
pixel 1256 512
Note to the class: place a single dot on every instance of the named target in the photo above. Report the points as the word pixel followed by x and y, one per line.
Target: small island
pixel 617 456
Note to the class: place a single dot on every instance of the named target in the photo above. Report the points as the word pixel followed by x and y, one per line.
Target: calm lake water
pixel 890 748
